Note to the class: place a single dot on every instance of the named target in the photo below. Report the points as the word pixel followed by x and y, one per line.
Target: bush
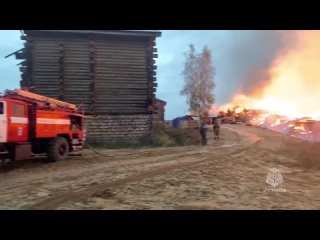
pixel 166 136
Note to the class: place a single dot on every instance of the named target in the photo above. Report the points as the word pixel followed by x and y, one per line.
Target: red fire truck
pixel 34 124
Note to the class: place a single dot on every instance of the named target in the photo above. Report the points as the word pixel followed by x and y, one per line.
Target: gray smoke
pixel 241 58
pixel 251 54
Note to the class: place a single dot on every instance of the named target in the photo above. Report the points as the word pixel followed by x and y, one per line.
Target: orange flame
pixel 294 87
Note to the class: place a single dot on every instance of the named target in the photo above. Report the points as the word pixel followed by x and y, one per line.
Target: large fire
pixel 294 87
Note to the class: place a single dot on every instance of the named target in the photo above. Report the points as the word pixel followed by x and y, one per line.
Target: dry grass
pixel 161 136
pixel 166 136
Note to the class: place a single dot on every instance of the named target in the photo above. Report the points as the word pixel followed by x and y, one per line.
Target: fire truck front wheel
pixel 58 149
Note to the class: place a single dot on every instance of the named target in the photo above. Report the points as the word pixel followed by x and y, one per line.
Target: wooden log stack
pixel 112 73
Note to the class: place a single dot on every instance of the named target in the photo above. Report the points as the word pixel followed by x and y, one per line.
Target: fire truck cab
pixel 33 124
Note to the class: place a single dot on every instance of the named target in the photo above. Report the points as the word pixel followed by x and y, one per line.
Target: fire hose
pixel 99 153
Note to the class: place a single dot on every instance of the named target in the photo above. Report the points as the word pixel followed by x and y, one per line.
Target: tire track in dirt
pixel 57 200
pixel 96 174
pixel 225 182
pixel 110 165
pixel 100 164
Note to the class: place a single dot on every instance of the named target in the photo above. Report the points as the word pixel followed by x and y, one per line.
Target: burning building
pixel 112 73
pixel 290 90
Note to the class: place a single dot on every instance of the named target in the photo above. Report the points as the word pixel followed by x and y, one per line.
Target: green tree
pixel 199 83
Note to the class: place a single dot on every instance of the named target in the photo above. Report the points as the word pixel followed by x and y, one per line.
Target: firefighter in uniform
pixel 216 129
pixel 203 133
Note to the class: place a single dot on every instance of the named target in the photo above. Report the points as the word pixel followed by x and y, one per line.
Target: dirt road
pixel 230 173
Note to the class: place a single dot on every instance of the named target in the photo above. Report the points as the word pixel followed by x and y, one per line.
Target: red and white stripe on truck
pixel 3 122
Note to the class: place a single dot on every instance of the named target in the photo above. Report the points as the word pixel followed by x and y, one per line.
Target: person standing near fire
pixel 216 129
pixel 203 133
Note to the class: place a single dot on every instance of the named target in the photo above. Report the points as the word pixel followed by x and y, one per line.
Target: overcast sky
pixel 240 58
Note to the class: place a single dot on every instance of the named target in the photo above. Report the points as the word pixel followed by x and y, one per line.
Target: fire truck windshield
pixel 1 108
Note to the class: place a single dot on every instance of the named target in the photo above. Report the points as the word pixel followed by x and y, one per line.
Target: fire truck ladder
pixel 50 102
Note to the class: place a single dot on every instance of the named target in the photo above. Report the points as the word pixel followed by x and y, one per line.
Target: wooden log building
pixel 159 114
pixel 111 72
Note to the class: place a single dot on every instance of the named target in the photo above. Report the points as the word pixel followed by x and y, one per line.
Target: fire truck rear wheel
pixel 58 149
